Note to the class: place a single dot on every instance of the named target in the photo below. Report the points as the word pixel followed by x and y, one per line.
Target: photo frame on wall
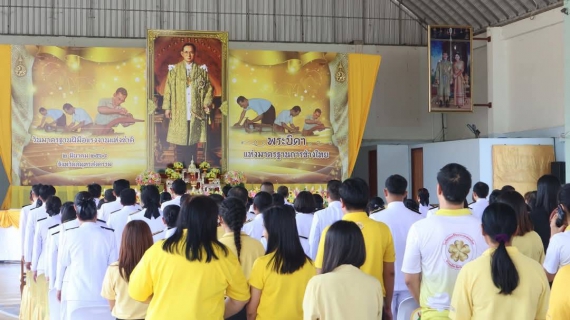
pixel 187 65
pixel 450 61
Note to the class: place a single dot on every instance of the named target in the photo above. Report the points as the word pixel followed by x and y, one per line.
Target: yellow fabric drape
pixel 362 72
pixel 5 116
pixel 10 218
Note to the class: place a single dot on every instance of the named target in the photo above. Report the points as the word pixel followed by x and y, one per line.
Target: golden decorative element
pixel 459 250
pixel 340 74
pixel 20 69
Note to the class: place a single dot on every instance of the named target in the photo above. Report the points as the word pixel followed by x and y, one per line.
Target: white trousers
pixel 398 297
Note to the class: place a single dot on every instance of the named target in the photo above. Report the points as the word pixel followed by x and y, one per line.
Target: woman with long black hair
pixel 546 202
pixel 188 274
pixel 343 291
pixel 423 201
pixel 151 213
pixel 502 283
pixel 279 278
pixel 83 259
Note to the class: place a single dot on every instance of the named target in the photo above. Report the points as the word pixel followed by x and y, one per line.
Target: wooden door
pixel 417 171
pixel 373 172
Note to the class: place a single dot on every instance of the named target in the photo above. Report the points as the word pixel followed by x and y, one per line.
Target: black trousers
pixel 269 116
pixel 242 315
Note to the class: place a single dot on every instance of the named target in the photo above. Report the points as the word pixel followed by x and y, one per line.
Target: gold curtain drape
pixel 362 72
pixel 5 117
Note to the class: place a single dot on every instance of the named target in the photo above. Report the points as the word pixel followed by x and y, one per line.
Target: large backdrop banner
pixel 288 113
pixel 77 114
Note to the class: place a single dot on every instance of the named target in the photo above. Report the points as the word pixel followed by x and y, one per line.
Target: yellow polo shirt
pixel 183 289
pixel 377 240
pixel 281 294
pixel 530 245
pixel 117 289
pixel 345 293
pixel 251 249
pixel 476 297
pixel 559 307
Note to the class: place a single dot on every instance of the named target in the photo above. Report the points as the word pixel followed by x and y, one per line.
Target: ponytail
pixel 500 223
pixel 233 212
pixel 504 273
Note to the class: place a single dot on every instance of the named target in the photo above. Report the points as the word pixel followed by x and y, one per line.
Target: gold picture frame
pixel 207 40
pixel 450 78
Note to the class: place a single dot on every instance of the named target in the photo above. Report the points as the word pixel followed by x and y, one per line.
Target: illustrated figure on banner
pixel 110 110
pixel 458 81
pixel 443 80
pixel 187 100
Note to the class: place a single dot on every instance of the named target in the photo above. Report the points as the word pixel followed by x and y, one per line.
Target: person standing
pixel 178 189
pixel 118 219
pixel 439 246
pixel 187 98
pixel 458 81
pixel 503 283
pixel 380 255
pixel 443 80
pixel 399 219
pixel 343 291
pixel 324 218
pixel 480 193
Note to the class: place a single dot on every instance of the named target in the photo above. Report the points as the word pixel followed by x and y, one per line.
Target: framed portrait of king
pixel 450 60
pixel 187 90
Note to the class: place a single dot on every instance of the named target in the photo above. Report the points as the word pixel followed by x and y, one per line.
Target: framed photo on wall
pixel 186 88
pixel 450 60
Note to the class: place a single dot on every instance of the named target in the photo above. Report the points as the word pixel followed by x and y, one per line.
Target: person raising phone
pixel 558 253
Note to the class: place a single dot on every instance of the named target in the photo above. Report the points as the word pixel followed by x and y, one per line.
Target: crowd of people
pixel 177 256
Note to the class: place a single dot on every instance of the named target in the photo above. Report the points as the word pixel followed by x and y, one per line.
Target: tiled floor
pixel 9 291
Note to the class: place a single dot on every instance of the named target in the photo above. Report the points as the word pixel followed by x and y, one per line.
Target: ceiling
pixel 479 14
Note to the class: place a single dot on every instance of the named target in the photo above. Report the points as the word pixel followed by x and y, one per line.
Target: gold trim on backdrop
pixel 450 109
pixel 152 35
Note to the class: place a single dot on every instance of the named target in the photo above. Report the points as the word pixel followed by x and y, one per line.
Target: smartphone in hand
pixel 560 216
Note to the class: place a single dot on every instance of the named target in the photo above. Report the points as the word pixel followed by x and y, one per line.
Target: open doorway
pixel 417 171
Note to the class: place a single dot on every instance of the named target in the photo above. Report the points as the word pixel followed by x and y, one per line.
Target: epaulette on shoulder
pixel 55 225
pixel 108 228
pixel 34 208
pixel 377 210
pixel 139 210
pixel 42 219
pixel 115 211
pixel 101 220
pixel 249 220
pixel 158 232
pixel 471 203
pixel 71 228
pixel 53 234
pixel 433 206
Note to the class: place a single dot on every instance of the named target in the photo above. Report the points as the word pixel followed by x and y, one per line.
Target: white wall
pixel 393 160
pixel 437 155
pixel 361 166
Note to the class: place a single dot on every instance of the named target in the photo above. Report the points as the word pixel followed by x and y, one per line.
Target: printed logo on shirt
pixel 458 249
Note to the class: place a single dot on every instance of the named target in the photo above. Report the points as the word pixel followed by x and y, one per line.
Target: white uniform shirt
pixel 51 254
pixel 155 224
pixel 24 222
pixel 321 220
pixel 284 117
pixel 399 219
pixel 31 223
pixel 423 210
pixel 304 223
pixel 254 228
pixel 431 212
pixel 109 207
pixel 40 242
pixel 558 252
pixel 478 207
pixel 118 220
pixel 85 255
pixel 438 248
pixel 175 201
pixel 260 106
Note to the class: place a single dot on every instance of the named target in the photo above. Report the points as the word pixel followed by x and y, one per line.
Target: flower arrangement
pixel 148 178
pixel 234 178
pixel 213 173
pixel 205 165
pixel 172 174
pixel 178 165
